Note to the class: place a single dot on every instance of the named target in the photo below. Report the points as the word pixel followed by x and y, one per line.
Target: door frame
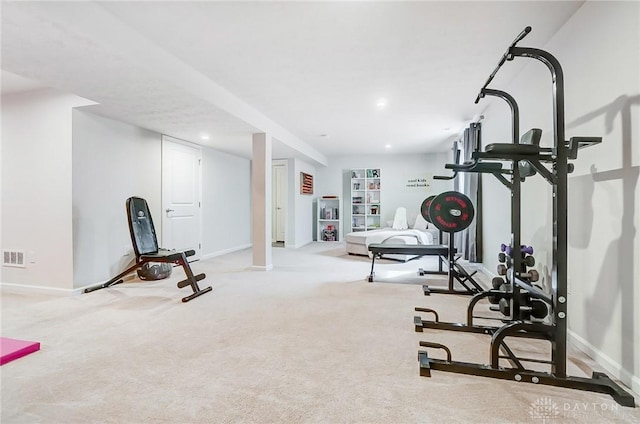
pixel 285 189
pixel 166 139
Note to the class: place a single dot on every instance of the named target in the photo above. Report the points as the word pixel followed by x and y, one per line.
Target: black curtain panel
pixel 469 241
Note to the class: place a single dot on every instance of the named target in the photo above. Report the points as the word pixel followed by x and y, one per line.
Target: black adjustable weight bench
pixel 379 249
pixel 145 247
pixel 445 253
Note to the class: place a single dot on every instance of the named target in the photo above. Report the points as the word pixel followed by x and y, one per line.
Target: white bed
pixel 357 243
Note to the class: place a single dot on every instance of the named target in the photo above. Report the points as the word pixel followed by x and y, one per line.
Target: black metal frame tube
pixel 560 196
pixel 515 186
pixel 504 58
pixel 515 111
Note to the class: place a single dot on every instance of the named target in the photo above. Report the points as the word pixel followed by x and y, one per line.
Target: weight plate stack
pixel 451 211
pixel 424 208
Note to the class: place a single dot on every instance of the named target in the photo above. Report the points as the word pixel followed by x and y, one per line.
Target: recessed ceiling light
pixel 204 137
pixel 387 146
pixel 447 129
pixel 324 135
pixel 381 102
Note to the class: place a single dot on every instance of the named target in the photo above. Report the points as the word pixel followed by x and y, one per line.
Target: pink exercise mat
pixel 11 349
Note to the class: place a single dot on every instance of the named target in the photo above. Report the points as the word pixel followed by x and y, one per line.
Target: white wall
pixel 112 161
pixel 395 170
pixel 66 174
pixel 302 203
pixel 599 50
pixel 36 186
pixel 226 202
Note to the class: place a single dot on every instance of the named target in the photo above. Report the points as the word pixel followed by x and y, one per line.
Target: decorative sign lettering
pixel 423 182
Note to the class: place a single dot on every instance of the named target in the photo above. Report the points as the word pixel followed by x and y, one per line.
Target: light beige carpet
pixel 309 341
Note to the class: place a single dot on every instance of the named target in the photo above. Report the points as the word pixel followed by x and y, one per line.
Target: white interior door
pixel 181 204
pixel 279 203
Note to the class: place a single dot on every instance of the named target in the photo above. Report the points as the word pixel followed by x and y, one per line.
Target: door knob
pixel 169 210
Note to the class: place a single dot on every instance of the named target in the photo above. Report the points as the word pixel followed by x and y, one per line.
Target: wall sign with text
pixel 420 182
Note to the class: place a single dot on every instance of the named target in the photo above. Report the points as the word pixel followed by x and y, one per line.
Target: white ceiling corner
pixel 293 69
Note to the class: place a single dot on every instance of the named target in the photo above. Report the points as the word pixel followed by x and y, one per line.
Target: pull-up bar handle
pixel 515 113
pixel 506 56
pixel 456 159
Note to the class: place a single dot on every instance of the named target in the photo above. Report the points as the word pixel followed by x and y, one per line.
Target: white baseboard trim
pixel 262 268
pixel 304 243
pixel 34 289
pixel 609 364
pixel 225 251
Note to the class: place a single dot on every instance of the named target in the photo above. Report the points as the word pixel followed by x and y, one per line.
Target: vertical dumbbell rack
pixel 555 330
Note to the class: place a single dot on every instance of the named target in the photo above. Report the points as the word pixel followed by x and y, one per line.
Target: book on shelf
pixel 329 213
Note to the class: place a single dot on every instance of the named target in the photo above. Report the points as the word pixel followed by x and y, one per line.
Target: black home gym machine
pixel 502 293
pixel 554 328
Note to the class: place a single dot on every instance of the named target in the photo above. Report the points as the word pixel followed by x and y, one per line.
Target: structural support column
pixel 261 201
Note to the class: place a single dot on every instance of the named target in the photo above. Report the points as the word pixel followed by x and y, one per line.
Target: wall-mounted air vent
pixel 13 258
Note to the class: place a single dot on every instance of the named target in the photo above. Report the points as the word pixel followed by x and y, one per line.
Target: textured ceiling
pixel 294 69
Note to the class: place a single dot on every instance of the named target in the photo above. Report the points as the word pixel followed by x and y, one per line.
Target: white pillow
pixel 421 223
pixel 400 220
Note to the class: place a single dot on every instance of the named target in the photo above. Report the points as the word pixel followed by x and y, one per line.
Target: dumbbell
pixel 537 308
pixel 496 282
pixel 502 257
pixel 502 269
pixel 503 288
pixel 529 261
pixel 501 298
pixel 523 249
pixel 532 275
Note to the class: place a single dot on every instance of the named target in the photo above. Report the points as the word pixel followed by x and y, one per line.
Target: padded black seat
pixel 529 145
pixel 410 249
pixel 512 149
pixel 483 167
pixel 145 247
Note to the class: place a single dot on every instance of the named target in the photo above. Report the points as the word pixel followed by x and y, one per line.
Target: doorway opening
pixel 279 203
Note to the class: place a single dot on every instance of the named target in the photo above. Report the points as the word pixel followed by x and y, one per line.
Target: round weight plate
pixel 451 211
pixel 424 208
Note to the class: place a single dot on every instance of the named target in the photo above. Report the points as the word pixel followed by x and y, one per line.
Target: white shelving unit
pixel 329 218
pixel 365 199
